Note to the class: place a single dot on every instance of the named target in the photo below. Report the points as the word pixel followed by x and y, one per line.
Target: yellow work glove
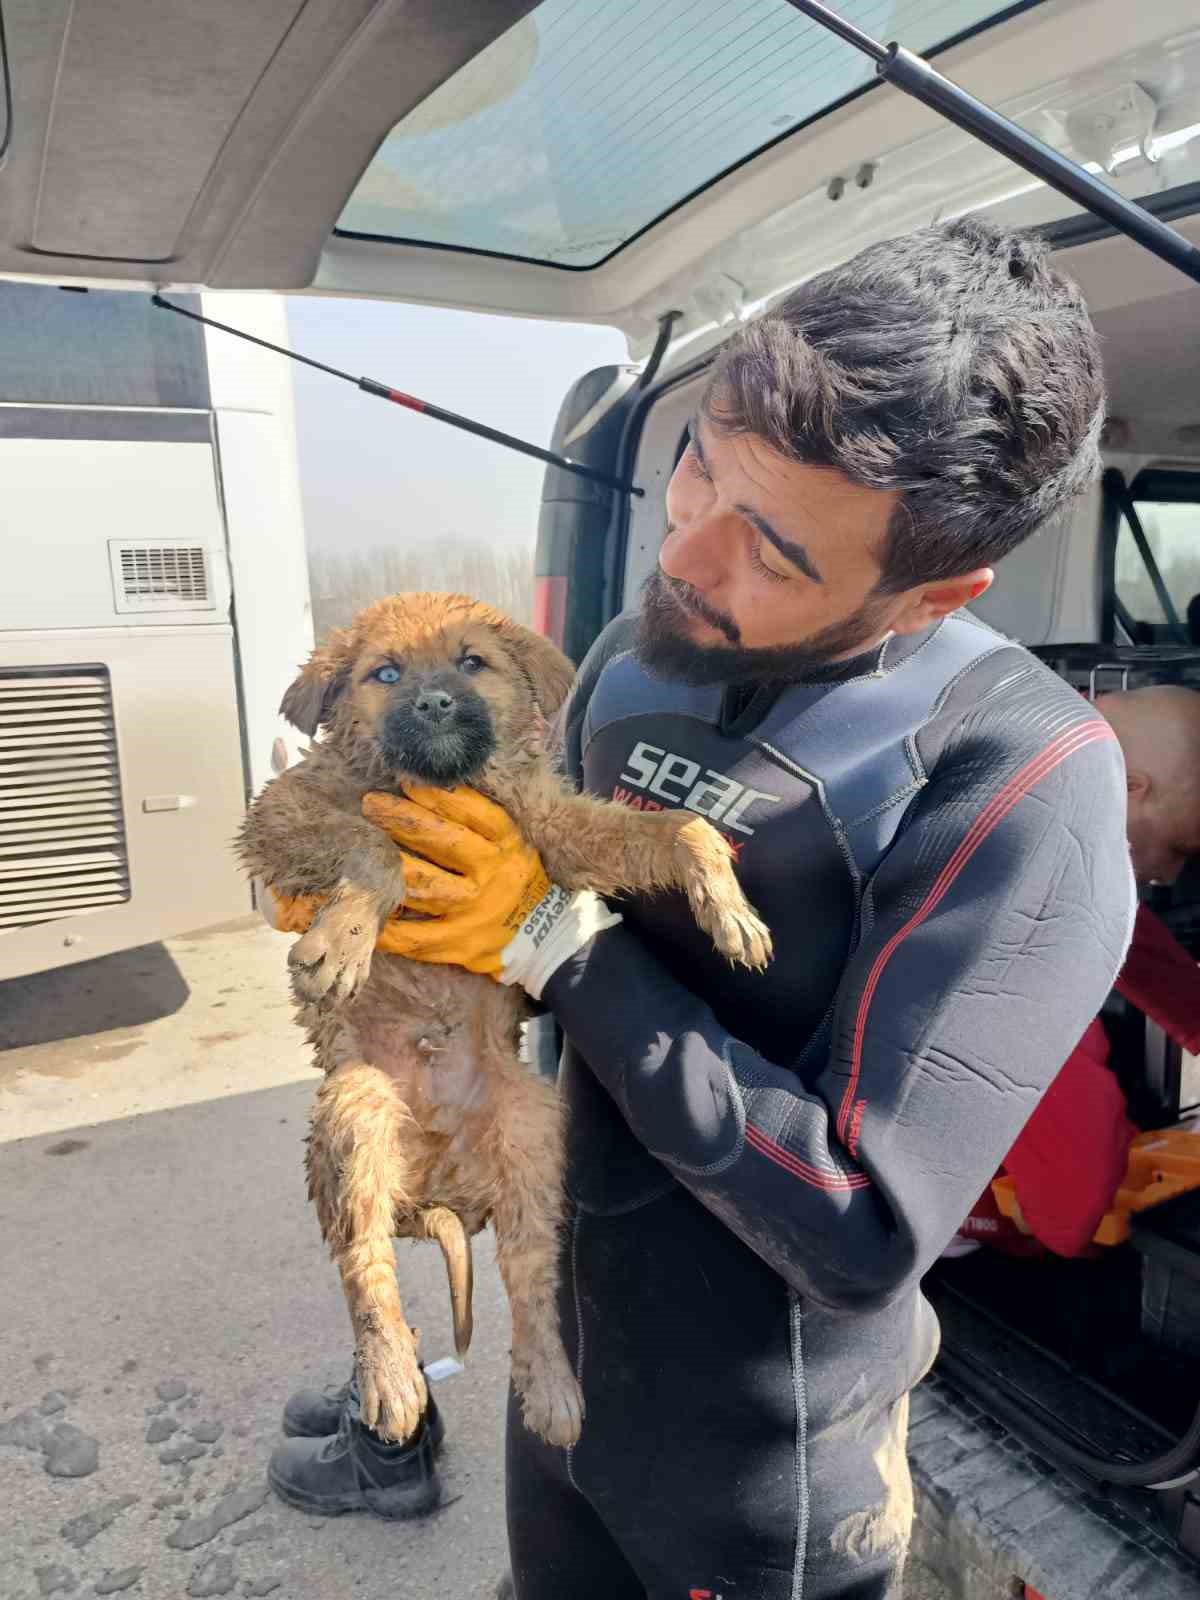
pixel 466 869
pixel 487 902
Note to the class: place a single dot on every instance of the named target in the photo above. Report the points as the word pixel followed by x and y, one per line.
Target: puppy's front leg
pixel 305 835
pixel 356 1179
pixel 330 963
pixel 588 843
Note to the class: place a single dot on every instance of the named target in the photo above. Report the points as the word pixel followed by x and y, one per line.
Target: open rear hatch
pixel 607 162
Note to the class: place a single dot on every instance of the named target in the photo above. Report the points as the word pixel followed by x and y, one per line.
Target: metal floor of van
pixel 992 1512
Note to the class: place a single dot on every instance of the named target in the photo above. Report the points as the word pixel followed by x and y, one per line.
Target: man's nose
pixel 694 552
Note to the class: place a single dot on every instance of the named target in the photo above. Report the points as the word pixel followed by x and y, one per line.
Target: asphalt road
pixel 161 1274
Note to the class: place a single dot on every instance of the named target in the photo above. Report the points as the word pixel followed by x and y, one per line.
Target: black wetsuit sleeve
pixel 994 929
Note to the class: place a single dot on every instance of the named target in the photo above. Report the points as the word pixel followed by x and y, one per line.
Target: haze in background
pixel 395 501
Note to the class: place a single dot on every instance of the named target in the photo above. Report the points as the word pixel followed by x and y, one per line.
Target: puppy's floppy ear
pixel 310 700
pixel 543 663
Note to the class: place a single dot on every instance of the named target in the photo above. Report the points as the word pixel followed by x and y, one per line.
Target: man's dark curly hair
pixel 954 364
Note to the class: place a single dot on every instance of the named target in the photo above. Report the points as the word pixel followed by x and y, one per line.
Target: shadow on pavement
pixel 125 990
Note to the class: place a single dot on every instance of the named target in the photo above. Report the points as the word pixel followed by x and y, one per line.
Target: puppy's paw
pixel 734 926
pixel 391 1386
pixel 716 897
pixel 332 961
pixel 551 1399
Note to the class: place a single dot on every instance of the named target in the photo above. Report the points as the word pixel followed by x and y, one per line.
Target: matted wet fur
pixel 427 1125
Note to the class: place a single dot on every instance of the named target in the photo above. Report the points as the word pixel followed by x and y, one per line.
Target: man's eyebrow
pixel 789 549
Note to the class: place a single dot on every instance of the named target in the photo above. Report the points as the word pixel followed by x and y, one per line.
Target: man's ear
pixel 548 670
pixel 1137 784
pixel 311 699
pixel 933 601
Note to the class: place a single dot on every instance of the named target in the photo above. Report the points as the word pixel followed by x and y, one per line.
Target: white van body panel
pixel 161 609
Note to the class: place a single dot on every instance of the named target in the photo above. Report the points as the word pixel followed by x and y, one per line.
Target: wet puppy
pixel 427 1125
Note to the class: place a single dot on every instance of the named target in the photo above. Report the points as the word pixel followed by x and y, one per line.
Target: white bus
pixel 154 606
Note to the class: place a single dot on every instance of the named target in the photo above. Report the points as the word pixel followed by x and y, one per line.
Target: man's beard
pixel 664 645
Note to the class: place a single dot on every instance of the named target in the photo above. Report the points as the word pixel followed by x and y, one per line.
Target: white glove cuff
pixel 559 925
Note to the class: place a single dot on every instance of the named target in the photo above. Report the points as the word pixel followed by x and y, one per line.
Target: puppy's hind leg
pixel 527 1215
pixel 356 1180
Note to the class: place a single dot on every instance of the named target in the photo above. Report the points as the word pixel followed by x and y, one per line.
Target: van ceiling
pixel 217 143
pixel 149 138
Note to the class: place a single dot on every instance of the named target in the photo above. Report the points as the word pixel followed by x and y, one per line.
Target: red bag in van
pixel 1071 1156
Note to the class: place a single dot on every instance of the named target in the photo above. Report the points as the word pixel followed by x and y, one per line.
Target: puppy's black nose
pixel 434 704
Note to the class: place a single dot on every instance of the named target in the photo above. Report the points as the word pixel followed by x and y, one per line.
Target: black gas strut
pixel 910 73
pixel 398 397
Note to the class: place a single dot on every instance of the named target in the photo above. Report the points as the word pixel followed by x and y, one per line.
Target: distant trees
pixel 342 582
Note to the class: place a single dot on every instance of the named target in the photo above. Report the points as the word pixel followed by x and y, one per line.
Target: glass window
pixel 1168 508
pixel 589 119
pixel 105 347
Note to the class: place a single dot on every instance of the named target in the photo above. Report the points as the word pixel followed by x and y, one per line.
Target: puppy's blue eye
pixel 387 674
pixel 471 664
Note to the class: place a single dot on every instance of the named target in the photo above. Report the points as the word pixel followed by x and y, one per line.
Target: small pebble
pixel 230 1508
pixel 55 1580
pixel 114 1582
pixel 26 1430
pixel 160 1429
pixel 83 1529
pixel 171 1389
pixel 183 1450
pixel 213 1575
pixel 52 1403
pixel 70 1453
pixel 253 1533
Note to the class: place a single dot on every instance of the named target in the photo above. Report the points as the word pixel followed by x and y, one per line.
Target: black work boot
pixel 356 1470
pixel 316 1413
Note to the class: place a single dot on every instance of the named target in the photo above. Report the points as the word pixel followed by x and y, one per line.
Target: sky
pixel 371 472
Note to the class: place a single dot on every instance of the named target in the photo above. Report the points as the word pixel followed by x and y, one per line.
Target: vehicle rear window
pixel 586 122
pixel 1167 505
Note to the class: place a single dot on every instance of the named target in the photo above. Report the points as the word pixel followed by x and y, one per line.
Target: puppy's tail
pixel 446 1227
